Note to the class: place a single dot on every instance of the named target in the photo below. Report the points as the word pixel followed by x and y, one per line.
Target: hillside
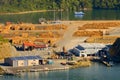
pixel 5 50
pixel 32 5
pixel 115 50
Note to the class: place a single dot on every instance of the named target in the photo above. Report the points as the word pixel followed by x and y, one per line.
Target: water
pixel 95 72
pixel 66 15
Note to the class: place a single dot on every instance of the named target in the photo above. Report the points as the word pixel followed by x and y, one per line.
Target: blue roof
pixel 80 47
pixel 26 58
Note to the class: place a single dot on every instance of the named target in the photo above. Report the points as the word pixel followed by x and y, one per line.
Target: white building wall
pixel 21 63
pixel 33 62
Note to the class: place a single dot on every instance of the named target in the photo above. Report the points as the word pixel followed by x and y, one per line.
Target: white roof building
pixel 88 48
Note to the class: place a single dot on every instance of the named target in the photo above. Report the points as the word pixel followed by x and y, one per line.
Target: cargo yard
pixel 45 45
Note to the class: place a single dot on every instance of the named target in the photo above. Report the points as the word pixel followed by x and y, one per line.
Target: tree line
pixel 23 5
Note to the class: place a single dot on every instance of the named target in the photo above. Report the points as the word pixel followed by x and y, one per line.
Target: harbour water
pixel 66 15
pixel 95 72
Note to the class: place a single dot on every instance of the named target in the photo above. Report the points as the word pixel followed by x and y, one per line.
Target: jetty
pixel 106 63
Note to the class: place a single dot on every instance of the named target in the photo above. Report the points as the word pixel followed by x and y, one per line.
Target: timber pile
pixel 17 32
pixel 22 26
pixel 106 25
pixel 54 27
pixel 46 40
pixel 41 37
pixel 87 33
pixel 49 35
pixel 102 39
pixel 20 40
pixel 0 27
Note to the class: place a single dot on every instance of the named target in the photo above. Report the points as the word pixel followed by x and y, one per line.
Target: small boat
pixel 79 13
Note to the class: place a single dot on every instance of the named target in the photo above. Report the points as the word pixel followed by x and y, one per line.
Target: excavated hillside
pixel 115 50
pixel 5 48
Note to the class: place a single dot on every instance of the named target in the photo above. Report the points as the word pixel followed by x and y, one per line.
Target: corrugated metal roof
pixel 92 45
pixel 80 47
pixel 25 58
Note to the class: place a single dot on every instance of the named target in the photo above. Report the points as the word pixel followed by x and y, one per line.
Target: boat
pixel 79 13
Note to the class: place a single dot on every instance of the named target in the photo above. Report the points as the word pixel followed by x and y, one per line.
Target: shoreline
pixel 24 12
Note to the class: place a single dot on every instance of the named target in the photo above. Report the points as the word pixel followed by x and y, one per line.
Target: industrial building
pixel 23 61
pixel 88 49
pixel 31 46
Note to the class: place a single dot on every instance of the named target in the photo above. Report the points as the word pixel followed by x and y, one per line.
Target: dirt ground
pixel 68 40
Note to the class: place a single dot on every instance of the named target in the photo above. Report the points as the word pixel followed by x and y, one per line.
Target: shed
pixel 23 61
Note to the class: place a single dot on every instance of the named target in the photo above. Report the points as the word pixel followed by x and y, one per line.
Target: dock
pixel 11 72
pixel 106 63
pixel 14 71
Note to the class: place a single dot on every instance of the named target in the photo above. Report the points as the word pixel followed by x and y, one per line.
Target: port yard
pixel 68 34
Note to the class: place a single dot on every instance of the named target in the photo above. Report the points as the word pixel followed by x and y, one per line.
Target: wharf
pixel 107 64
pixel 18 70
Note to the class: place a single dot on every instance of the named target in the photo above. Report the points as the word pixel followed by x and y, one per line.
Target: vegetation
pixel 1 71
pixel 5 50
pixel 30 5
pixel 106 4
pixel 79 64
pixel 2 40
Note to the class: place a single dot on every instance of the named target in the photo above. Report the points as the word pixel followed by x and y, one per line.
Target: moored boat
pixel 79 13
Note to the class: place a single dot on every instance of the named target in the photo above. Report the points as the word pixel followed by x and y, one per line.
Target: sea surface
pixel 58 15
pixel 95 72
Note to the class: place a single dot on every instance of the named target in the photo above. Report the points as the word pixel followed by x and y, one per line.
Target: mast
pixel 54 11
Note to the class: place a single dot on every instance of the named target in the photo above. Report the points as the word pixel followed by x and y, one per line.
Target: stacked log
pixel 24 35
pixel 54 27
pixel 21 27
pixel 20 40
pixel 83 33
pixel 49 35
pixel 106 25
pixel 102 39
pixel 46 40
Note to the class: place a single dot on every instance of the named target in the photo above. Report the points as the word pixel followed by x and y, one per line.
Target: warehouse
pixel 23 61
pixel 88 49
pixel 30 46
